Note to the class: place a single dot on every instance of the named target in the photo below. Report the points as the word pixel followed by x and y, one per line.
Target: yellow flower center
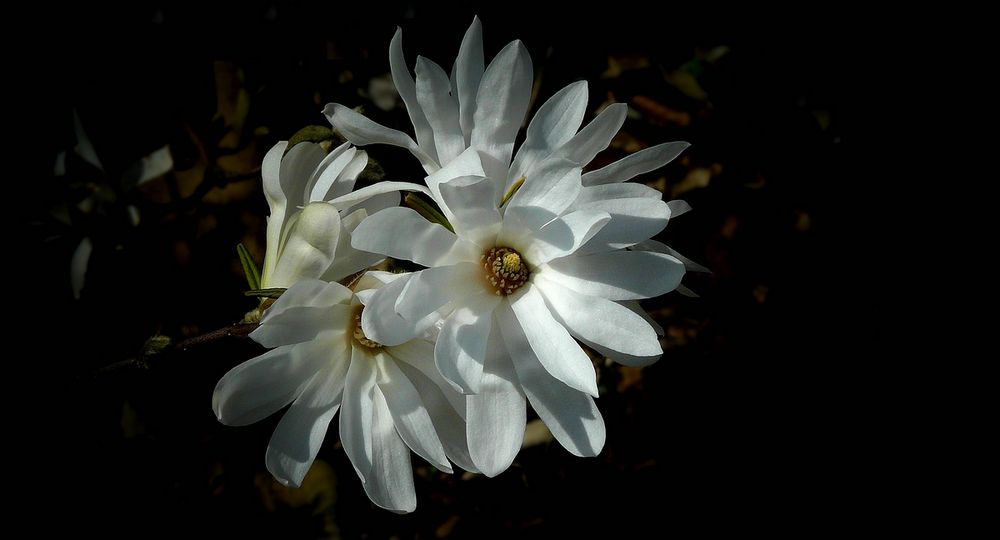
pixel 505 271
pixel 359 334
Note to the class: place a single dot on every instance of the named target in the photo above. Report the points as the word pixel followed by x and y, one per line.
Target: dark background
pixel 739 427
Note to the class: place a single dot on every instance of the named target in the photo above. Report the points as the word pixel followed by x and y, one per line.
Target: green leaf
pixel 266 293
pixel 249 267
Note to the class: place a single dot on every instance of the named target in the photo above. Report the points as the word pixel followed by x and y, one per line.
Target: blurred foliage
pixel 713 435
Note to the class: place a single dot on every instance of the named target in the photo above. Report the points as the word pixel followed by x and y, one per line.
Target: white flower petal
pixel 561 356
pixel 448 422
pixel 297 167
pixel 553 186
pixel 474 214
pixel 600 321
pixel 419 354
pixel 467 164
pixel 555 123
pixel 300 433
pixel 432 288
pixel 570 415
pixel 379 320
pixel 497 414
pixel 409 414
pixel 362 132
pixel 440 108
pixel 501 104
pixel 310 247
pixel 270 172
pixel 300 324
pixel 404 234
pixel 564 235
pixel 619 275
pixel 616 191
pixel 660 247
pixel 632 221
pixel 633 165
pixel 678 207
pixel 348 261
pixel 309 293
pixel 469 67
pixel 390 484
pixel 638 310
pixel 325 178
pixel 403 81
pixel 594 138
pixel 356 412
pixel 263 385
pixel 355 199
pixel 460 352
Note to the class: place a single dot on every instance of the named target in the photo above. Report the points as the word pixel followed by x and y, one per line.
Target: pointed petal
pixel 379 320
pixel 594 138
pixel 362 132
pixel 497 414
pixel 600 321
pixel 555 123
pixel 460 352
pixel 618 275
pixel 390 484
pixel 633 165
pixel 325 175
pixel 469 67
pixel 349 201
pixel 441 109
pixel 467 164
pixel 404 234
pixel 501 104
pixel 269 171
pixel 310 246
pixel 660 247
pixel 448 422
pixel 263 385
pixel 409 414
pixel 356 412
pixel 570 415
pixel 403 81
pixel 432 288
pixel 300 433
pixel 561 356
pixel 616 191
pixel 419 354
pixel 678 207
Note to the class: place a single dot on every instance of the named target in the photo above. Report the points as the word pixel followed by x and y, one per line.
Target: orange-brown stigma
pixel 505 271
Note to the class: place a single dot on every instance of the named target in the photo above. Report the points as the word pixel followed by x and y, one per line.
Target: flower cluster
pixel 526 258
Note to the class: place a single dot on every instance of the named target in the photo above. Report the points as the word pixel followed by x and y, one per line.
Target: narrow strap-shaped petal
pixel 352 199
pixel 301 431
pixel 441 109
pixel 270 172
pixel 326 176
pixel 469 67
pixel 553 186
pixel 362 132
pixel 632 221
pixel 310 245
pixel 309 293
pixel 390 484
pixel 600 321
pixel 641 162
pixel 564 235
pixel 460 352
pixel 570 415
pixel 356 412
pixel 301 324
pixel 403 81
pixel 618 275
pixel 594 138
pixel 409 415
pixel 497 414
pixel 660 247
pixel 432 288
pixel 501 104
pixel 555 123
pixel 551 343
pixel 473 213
pixel 404 234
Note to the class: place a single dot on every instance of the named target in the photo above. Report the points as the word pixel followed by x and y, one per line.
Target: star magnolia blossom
pixel 313 211
pixel 391 398
pixel 514 283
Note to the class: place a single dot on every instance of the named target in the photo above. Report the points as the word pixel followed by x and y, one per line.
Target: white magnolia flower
pixel 313 211
pixel 517 282
pixel 391 398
